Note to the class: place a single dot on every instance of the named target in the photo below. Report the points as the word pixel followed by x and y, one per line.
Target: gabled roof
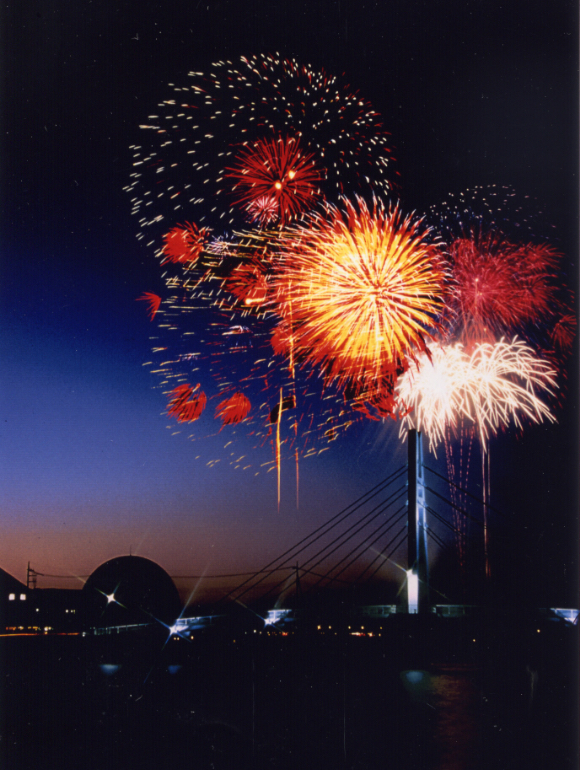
pixel 9 584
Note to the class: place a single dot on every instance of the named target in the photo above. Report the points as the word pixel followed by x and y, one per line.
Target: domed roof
pixel 131 589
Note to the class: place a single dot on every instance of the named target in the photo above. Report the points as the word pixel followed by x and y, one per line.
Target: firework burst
pixel 498 287
pixel 359 289
pixel 233 409
pixel 496 385
pixel 246 149
pixel 153 301
pixel 274 180
pixel 186 405
pixel 261 118
pixel 185 243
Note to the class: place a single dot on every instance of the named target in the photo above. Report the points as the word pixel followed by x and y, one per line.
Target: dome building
pixel 130 590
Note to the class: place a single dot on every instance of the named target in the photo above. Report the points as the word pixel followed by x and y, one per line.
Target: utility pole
pixel 417 564
pixel 30 577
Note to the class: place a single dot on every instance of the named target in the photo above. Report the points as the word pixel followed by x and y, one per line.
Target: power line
pixel 231 575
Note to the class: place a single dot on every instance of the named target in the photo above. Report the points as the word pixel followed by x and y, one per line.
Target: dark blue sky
pixel 472 93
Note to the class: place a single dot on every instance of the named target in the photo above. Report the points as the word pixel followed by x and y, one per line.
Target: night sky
pixel 472 93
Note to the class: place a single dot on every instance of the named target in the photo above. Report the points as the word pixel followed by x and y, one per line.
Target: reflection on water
pixel 280 704
pixel 455 704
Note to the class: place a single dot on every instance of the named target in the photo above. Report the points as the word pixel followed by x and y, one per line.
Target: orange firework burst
pixel 360 288
pixel 184 243
pixel 233 409
pixel 184 405
pixel 275 180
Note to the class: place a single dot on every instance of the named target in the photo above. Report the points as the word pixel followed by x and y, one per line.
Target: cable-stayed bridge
pixel 385 535
pixel 385 530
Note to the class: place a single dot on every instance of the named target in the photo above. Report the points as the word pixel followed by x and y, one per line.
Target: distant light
pixel 173 669
pixel 414 677
pixel 109 668
pixel 110 597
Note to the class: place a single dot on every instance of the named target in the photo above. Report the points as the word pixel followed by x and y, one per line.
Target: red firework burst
pixel 275 180
pixel 498 286
pixel 154 303
pixel 184 405
pixel 184 243
pixel 249 282
pixel 564 331
pixel 233 409
pixel 281 339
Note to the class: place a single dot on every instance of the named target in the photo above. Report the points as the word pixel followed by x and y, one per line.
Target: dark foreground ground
pixel 449 695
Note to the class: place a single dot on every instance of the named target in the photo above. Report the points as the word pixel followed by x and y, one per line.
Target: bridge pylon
pixel 417 594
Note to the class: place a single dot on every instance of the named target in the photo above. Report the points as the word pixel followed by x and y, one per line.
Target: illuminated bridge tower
pixel 418 567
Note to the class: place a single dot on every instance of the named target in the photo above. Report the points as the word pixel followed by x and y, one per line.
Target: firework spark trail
pixel 504 280
pixel 218 154
pixel 196 339
pixel 494 386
